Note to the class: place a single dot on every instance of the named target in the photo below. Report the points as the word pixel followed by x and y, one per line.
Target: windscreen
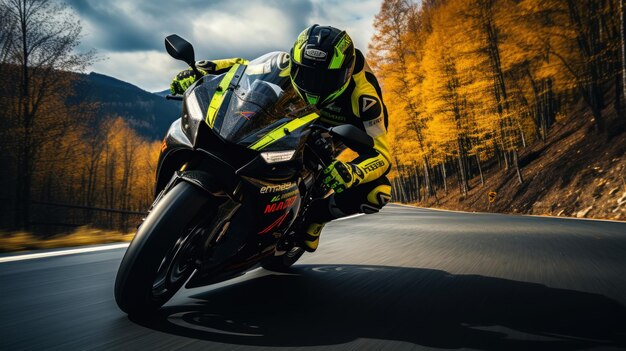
pixel 263 100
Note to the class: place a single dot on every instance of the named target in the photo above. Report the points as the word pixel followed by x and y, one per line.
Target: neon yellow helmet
pixel 322 63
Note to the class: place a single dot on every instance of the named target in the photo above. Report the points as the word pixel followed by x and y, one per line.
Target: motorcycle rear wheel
pixel 160 258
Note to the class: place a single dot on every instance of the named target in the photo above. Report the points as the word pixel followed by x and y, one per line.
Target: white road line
pixel 62 252
pixel 509 214
pixel 349 217
pixel 93 248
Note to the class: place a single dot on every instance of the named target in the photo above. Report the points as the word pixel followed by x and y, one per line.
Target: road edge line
pixel 33 256
pixel 510 214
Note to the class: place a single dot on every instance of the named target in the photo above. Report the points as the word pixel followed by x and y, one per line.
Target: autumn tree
pixel 391 52
pixel 43 38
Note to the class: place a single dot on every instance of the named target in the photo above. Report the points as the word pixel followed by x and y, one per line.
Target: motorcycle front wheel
pixel 284 262
pixel 161 256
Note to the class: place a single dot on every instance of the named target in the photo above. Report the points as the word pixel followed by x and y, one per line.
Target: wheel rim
pixel 177 265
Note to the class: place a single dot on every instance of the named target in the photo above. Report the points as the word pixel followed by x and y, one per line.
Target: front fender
pixel 206 182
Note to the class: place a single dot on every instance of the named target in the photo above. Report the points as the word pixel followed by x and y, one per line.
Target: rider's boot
pixel 320 212
pixel 310 238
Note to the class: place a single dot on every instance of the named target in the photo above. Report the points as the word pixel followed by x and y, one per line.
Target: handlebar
pixel 174 97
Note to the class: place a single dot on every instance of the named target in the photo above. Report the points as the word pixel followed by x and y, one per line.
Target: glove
pixel 340 176
pixel 183 80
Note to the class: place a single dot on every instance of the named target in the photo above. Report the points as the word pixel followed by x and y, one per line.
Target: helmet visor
pixel 318 82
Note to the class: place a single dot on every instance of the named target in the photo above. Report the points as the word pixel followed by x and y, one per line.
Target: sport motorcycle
pixel 235 177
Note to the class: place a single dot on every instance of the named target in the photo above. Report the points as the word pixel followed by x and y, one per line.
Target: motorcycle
pixel 236 174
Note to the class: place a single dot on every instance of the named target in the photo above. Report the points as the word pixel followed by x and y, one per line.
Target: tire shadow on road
pixel 319 305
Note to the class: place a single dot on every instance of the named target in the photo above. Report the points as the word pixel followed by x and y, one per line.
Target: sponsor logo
pixel 268 189
pixel 284 196
pixel 333 107
pixel 282 205
pixel 374 122
pixel 370 167
pixel 315 54
pixel 358 172
pixel 367 103
pixel 332 116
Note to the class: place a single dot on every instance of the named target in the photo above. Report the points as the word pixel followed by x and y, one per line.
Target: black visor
pixel 321 82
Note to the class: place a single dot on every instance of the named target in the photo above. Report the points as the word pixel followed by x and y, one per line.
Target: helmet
pixel 321 64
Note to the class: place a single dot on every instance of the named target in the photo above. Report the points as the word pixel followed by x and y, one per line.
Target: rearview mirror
pixel 353 137
pixel 180 49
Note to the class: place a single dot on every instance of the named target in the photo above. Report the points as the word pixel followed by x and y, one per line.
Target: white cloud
pixel 150 70
pixel 217 29
pixel 251 28
pixel 355 17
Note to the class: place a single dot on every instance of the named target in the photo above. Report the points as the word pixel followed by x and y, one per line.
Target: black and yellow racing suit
pixel 361 105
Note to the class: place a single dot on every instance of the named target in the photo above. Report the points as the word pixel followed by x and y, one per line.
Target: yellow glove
pixel 183 80
pixel 340 176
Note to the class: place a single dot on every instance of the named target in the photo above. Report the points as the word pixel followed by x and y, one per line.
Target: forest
pixel 61 166
pixel 471 84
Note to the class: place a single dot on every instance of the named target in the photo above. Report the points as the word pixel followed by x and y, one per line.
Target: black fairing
pixel 263 199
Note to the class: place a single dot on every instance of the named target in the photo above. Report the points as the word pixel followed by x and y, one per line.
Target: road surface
pixel 403 279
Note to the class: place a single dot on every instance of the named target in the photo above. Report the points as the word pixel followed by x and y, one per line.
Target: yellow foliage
pixel 473 77
pixel 21 241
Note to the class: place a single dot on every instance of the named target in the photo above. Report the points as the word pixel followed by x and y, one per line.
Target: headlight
pixel 278 156
pixel 193 106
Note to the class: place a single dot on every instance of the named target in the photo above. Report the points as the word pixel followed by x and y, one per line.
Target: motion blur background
pixel 502 106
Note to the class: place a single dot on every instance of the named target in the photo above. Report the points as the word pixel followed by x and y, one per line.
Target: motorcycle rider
pixel 328 72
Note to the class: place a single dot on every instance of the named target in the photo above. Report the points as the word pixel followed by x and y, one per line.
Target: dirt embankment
pixel 577 172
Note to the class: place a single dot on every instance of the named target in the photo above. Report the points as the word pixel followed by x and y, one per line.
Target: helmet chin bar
pixel 335 94
pixel 316 99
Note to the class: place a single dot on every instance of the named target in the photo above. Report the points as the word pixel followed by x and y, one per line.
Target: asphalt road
pixel 404 279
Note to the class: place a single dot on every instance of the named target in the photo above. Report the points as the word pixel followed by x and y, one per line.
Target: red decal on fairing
pixel 277 206
pixel 276 223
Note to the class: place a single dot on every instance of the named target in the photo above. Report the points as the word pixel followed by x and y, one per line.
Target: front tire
pixel 152 270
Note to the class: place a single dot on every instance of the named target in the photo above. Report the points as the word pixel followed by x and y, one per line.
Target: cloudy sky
pixel 128 34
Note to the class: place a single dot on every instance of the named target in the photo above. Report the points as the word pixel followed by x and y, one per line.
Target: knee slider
pixel 377 198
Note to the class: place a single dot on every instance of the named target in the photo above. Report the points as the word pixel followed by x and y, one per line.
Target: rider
pixel 328 72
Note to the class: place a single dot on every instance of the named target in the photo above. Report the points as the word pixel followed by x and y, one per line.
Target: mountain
pixel 148 113
pixel 163 93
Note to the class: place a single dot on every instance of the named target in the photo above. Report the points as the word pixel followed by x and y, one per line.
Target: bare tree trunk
pixel 427 178
pixel 517 170
pixel 445 178
pixel 417 183
pixel 480 170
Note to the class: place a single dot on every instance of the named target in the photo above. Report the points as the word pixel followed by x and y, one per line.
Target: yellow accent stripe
pixel 339 55
pixel 218 96
pixel 279 132
pixel 300 42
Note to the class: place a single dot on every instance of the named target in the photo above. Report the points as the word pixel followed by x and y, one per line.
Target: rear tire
pixel 168 226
